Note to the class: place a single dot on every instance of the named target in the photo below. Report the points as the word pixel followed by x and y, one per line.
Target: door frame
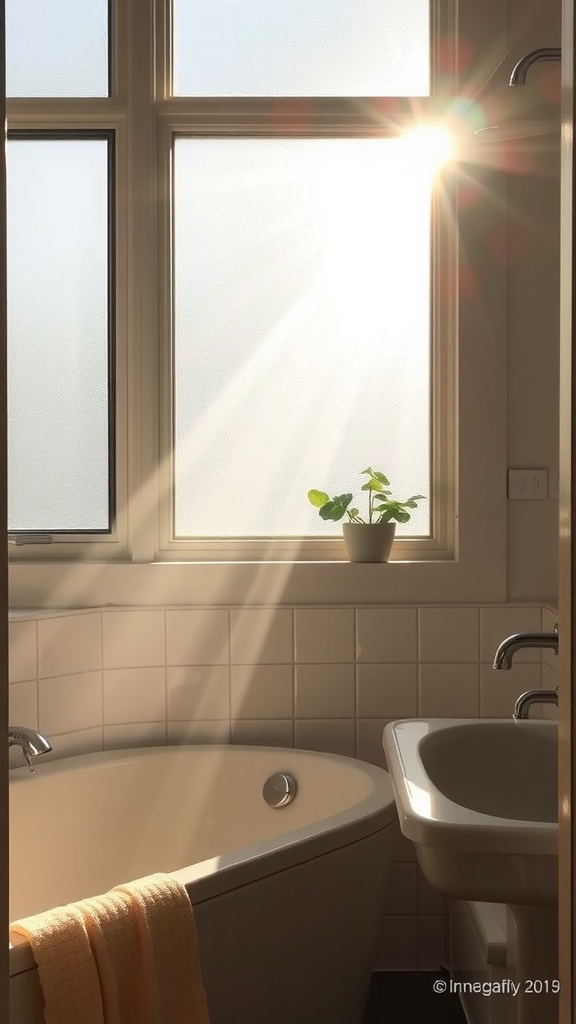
pixel 567 551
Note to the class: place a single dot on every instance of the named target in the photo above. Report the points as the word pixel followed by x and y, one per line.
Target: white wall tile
pixel 324 635
pixel 261 636
pixel 431 902
pixel 69 644
pixel 279 733
pixel 404 850
pixel 335 736
pixel 23 704
pixel 198 636
pixel 550 659
pixel 69 703
pixel 449 691
pixel 431 943
pixel 549 618
pixel 199 732
pixel 387 691
pixel 550 677
pixel 449 634
pixel 397 948
pixel 498 623
pixel 387 634
pixel 324 691
pixel 22 650
pixel 500 689
pixel 402 890
pixel 549 623
pixel 149 734
pixel 70 744
pixel 261 691
pixel 198 693
pixel 133 639
pixel 134 695
pixel 369 740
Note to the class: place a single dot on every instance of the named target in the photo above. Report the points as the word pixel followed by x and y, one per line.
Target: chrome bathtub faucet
pixel 503 660
pixel 31 742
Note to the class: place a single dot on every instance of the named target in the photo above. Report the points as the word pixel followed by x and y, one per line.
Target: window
pixel 57 49
pixel 231 276
pixel 299 303
pixel 60 396
pixel 296 354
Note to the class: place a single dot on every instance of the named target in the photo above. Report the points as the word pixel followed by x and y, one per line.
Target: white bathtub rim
pixel 249 863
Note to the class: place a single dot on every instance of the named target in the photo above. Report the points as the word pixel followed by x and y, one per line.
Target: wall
pixel 533 259
pixel 310 677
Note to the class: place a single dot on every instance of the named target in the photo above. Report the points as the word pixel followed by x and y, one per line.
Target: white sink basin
pixel 479 799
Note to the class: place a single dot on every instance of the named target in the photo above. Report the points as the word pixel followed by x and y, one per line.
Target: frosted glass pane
pixel 57 209
pixel 301 48
pixel 302 291
pixel 57 48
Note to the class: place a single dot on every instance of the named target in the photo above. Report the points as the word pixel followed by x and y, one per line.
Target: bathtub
pixel 287 900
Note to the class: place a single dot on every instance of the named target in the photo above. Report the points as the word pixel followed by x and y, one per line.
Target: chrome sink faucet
pixel 518 641
pixel 503 660
pixel 526 700
pixel 31 742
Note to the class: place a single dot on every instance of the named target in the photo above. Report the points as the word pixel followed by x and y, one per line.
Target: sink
pixel 479 798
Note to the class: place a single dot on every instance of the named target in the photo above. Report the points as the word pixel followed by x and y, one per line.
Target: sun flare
pixel 431 144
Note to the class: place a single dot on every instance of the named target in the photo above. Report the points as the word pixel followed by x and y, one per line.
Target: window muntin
pixel 60 365
pixel 57 48
pixel 301 329
pixel 301 48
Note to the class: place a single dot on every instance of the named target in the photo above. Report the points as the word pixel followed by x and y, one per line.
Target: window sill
pixel 60 585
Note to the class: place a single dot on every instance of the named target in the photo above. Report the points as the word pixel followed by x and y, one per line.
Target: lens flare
pixel 430 144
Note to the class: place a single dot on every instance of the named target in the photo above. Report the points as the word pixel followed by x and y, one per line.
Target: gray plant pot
pixel 368 542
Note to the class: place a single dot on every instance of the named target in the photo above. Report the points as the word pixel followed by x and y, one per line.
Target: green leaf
pixel 416 497
pixel 335 508
pixel 318 498
pixel 383 479
pixel 332 510
pixel 353 512
pixel 368 471
pixel 343 499
pixel 400 516
pixel 372 485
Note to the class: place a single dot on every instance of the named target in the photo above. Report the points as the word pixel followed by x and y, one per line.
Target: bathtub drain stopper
pixel 280 789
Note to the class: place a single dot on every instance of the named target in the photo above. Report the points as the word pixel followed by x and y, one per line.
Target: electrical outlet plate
pixel 528 484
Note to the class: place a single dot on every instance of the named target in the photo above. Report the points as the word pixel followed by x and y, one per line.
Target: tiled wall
pixel 318 678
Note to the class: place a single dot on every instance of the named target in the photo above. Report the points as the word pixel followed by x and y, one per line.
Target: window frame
pixel 312 117
pixel 108 136
pixel 65 123
pixel 466 557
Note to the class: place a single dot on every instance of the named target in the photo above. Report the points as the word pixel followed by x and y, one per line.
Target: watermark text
pixel 506 987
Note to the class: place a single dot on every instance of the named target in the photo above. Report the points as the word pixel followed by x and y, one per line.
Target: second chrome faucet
pixel 503 660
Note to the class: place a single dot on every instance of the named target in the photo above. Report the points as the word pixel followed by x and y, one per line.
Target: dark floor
pixel 410 998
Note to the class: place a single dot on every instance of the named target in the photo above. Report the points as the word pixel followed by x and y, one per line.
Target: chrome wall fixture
pixel 519 72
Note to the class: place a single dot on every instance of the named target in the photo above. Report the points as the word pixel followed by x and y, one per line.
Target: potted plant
pixel 367 540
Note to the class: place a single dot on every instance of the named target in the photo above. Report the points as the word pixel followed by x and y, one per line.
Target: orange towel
pixel 127 957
